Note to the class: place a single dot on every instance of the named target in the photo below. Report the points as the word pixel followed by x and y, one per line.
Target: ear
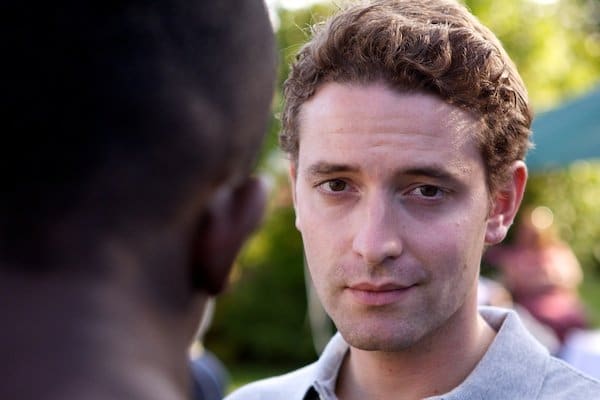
pixel 505 204
pixel 293 175
pixel 231 216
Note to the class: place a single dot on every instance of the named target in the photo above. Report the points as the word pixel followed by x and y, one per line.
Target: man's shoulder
pixel 517 366
pixel 562 381
pixel 290 386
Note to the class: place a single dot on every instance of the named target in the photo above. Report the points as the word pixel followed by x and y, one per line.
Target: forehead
pixel 377 100
pixel 375 118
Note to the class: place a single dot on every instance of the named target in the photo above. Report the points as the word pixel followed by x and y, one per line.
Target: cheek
pixel 319 251
pixel 453 247
pixel 318 227
pixel 324 254
pixel 305 213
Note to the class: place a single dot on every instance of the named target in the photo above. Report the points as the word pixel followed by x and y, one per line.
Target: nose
pixel 377 238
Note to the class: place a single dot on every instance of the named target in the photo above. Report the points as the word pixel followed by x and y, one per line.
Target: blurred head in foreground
pixel 131 129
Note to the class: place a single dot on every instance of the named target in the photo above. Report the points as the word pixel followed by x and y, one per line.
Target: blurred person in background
pixel 542 273
pixel 406 125
pixel 491 292
pixel 130 131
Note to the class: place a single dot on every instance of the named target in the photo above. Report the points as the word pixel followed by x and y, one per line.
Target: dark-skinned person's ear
pixel 230 217
pixel 506 201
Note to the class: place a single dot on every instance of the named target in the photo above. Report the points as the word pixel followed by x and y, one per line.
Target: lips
pixel 372 294
pixel 382 287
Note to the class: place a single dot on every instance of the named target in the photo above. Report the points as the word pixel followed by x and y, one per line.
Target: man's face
pixel 392 204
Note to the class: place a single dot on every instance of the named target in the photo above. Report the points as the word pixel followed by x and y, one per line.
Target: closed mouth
pixel 379 295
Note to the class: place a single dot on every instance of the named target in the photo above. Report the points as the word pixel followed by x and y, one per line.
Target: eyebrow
pixel 437 172
pixel 325 168
pixel 431 171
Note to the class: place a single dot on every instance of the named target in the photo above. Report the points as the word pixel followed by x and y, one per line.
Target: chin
pixel 382 345
pixel 385 340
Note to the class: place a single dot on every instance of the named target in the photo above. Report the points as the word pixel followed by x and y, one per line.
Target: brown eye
pixel 336 185
pixel 429 191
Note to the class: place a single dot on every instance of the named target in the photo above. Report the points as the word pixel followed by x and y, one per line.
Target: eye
pixel 428 192
pixel 335 185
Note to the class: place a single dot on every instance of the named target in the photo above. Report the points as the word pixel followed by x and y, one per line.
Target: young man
pixel 130 130
pixel 407 125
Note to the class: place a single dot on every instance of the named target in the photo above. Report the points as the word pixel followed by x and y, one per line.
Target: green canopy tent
pixel 568 133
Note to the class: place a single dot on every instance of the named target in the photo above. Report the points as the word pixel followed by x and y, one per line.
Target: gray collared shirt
pixel 514 367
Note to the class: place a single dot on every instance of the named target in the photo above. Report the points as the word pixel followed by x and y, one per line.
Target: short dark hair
pixel 126 107
pixel 435 46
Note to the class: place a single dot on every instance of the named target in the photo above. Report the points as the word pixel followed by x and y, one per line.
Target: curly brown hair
pixel 435 46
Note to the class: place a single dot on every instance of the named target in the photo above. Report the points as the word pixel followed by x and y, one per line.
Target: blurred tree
pixel 555 44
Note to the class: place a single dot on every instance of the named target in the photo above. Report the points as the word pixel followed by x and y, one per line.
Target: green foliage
pixel 556 46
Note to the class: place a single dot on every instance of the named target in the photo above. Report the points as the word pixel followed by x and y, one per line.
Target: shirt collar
pixel 513 366
pixel 327 368
pixel 513 354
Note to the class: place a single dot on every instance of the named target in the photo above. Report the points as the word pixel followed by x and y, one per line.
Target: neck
pixel 74 338
pixel 434 366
